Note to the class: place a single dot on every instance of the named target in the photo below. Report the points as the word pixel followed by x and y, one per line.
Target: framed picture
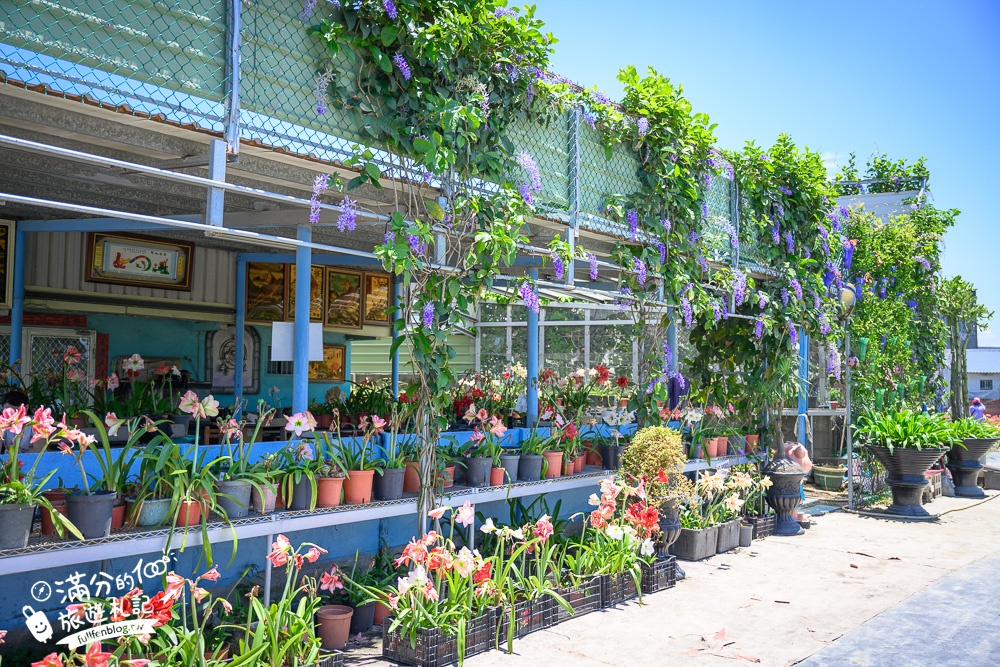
pixel 343 298
pixel 332 368
pixel 265 292
pixel 220 360
pixel 139 261
pixel 316 290
pixel 6 264
pixel 378 288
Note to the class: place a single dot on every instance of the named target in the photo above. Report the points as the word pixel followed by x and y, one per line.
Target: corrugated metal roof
pixel 981 359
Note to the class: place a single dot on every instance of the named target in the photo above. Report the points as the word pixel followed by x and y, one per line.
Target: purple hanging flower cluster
pixel 761 300
pixel 320 86
pixel 633 224
pixel 402 65
pixel 830 361
pixel 592 258
pixel 784 296
pixel 780 209
pixel 707 180
pixel 734 239
pixel 590 118
pixel 834 219
pixel 640 271
pixel 557 265
pixel 666 224
pixel 428 315
pixel 824 234
pixel 390 9
pixel 793 333
pixel 704 209
pixel 389 238
pixel 668 354
pixel 533 185
pixel 758 328
pixel 623 304
pixel 600 98
pixel 703 263
pixel 845 212
pixel 825 246
pixel 817 302
pixel 922 261
pixel 662 249
pixel 529 295
pixel 693 238
pixel 775 234
pixel 824 326
pixel 642 126
pixel 687 311
pixel 716 310
pixel 319 187
pixel 347 221
pixel 739 286
pixel 789 241
pixel 504 12
pixel 307 9
pixel 785 191
pixel 796 287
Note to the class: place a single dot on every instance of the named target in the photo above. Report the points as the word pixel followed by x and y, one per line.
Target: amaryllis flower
pixel 497 427
pixel 211 575
pixel 133 365
pixel 413 553
pixel 112 381
pixel 198 593
pixel 51 660
pixel 71 356
pixel 3 633
pixel 570 431
pixel 210 406
pixel 438 512
pixel 543 528
pixel 477 436
pixel 622 382
pixel 430 593
pixel 466 515
pixel 314 553
pixel 279 551
pixel 175 586
pixel 14 419
pixel 488 527
pixel 226 605
pixel 647 548
pixel 298 424
pixel 331 581
pixel 464 563
pixel 43 424
pixel 190 404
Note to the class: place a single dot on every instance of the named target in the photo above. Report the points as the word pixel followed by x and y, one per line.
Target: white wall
pixel 974 390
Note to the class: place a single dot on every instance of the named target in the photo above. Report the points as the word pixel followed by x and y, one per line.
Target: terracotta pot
pixel 333 625
pixel 411 478
pixel 48 526
pixel 449 476
pixel 265 504
pixel 721 446
pixel 579 462
pixel 118 517
pixel 834 405
pixel 358 487
pixel 554 459
pixel 707 448
pixel 593 458
pixel 324 422
pixel 497 476
pixel 752 441
pixel 328 491
pixel 189 513
pixel 568 468
pixel 622 402
pixel 381 612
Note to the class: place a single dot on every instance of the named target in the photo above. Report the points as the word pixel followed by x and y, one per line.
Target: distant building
pixel 984 372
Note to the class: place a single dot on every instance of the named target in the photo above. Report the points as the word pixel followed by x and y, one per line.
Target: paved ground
pixel 785 599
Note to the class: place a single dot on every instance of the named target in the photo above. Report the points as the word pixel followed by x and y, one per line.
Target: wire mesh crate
pixel 529 616
pixel 434 647
pixel 660 575
pixel 763 526
pixel 584 597
pixel 617 588
pixel 334 659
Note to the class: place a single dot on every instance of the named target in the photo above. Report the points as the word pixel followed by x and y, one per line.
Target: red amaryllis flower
pixel 51 660
pixel 483 573
pixel 95 657
pixel 644 518
pixel 622 381
pixel 662 477
pixel 159 608
pixel 570 431
pixel 603 374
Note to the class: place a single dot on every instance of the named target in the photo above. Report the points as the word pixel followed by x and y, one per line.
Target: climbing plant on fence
pixel 898 314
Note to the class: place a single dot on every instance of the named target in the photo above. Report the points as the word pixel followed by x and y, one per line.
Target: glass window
pixel 612 346
pixel 986 385
pixel 492 348
pixel 518 313
pixel 564 348
pixel 492 312
pixel 565 315
pixel 609 314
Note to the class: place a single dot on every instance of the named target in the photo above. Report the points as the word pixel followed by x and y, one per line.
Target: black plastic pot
pixel 302 495
pixel 611 456
pixel 15 525
pixel 905 470
pixel 696 544
pixel 91 514
pixel 234 498
pixel 363 618
pixel 510 465
pixel 388 486
pixel 965 464
pixel 785 494
pixel 729 536
pixel 529 468
pixel 460 471
pixel 670 527
pixel 477 471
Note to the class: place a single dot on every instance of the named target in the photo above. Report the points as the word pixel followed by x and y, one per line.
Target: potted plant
pixel 392 462
pixel 834 398
pixel 237 481
pixel 907 444
pixel 21 492
pixel 360 466
pixel 700 519
pixel 530 466
pixel 488 430
pixel 298 476
pixel 970 440
pixel 356 593
pixel 323 412
pixel 264 498
pixel 755 510
pixel 92 509
pixel 116 464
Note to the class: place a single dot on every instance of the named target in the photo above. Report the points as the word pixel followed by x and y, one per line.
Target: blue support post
pixel 674 398
pixel 803 388
pixel 17 306
pixel 303 301
pixel 241 305
pixel 215 204
pixel 532 360
pixel 397 293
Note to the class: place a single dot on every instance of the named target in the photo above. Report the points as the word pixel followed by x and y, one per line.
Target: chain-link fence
pixel 869 478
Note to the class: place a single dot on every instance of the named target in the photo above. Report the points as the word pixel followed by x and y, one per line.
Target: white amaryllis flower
pixel 190 404
pixel 647 548
pixel 615 532
pixel 133 364
pixel 210 406
pixel 113 423
pixel 488 527
pixel 175 371
pixel 298 424
pixel 517 370
pixel 733 503
pixel 416 578
pixel 594 500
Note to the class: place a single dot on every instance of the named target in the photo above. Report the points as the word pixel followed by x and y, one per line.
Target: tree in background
pixel 963 314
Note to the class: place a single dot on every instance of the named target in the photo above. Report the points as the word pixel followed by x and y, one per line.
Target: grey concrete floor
pixel 851 591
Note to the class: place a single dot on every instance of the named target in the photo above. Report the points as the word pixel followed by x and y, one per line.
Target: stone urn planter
pixel 905 470
pixel 670 527
pixel 785 494
pixel 965 464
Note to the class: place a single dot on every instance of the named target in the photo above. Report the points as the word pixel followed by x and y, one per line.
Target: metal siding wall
pixel 372 357
pixel 56 261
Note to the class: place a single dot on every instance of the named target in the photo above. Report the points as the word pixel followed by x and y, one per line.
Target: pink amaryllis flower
pixel 212 575
pixel 113 423
pixel 210 406
pixel 72 356
pixel 438 512
pixel 331 581
pixel 279 551
pixel 113 381
pixel 543 528
pixel 43 424
pixel 298 424
pixel 466 515
pixel 190 404
pixel 14 419
pixel 133 365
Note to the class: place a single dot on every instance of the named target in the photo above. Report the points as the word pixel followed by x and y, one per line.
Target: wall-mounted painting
pixel 265 292
pixel 315 294
pixel 332 368
pixel 220 360
pixel 343 298
pixel 6 264
pixel 377 299
pixel 139 261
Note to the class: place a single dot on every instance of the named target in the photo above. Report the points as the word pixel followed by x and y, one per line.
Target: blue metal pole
pixel 674 385
pixel 532 360
pixel 241 305
pixel 803 387
pixel 303 283
pixel 397 293
pixel 17 305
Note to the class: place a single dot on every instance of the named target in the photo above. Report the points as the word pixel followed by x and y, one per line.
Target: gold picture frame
pixel 317 291
pixel 333 368
pixel 139 261
pixel 344 291
pixel 378 298
pixel 266 292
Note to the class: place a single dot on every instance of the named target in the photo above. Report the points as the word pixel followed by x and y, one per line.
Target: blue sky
pixel 907 78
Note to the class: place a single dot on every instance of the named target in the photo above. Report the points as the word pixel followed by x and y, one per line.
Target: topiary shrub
pixel 656 454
